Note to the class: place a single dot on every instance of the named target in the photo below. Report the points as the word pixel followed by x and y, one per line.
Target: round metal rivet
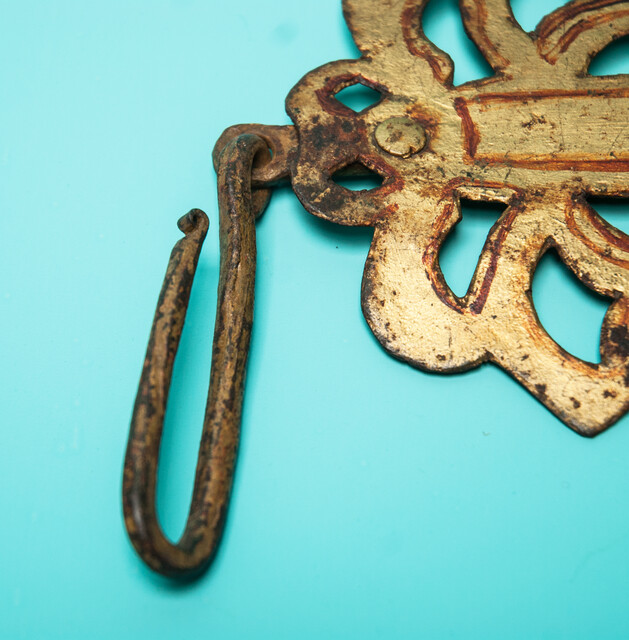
pixel 401 137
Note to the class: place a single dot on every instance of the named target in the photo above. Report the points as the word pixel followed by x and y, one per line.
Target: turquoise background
pixel 371 500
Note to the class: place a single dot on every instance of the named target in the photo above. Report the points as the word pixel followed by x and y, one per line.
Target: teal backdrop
pixel 371 500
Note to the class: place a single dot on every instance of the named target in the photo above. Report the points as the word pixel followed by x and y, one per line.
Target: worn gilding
pixel 540 136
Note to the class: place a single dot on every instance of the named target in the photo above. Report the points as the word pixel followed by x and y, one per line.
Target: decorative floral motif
pixel 540 136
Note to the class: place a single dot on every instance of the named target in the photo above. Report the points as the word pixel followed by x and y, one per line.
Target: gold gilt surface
pixel 540 136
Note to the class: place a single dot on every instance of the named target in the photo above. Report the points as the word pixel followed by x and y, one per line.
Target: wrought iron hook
pixel 221 429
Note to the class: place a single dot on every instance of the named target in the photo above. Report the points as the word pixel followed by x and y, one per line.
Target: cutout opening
pixel 358 97
pixel 529 15
pixel 571 313
pixel 460 252
pixel 614 211
pixel 263 157
pixel 442 25
pixel 612 60
pixel 357 177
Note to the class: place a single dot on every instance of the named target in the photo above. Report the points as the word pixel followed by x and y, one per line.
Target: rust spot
pixel 535 120
pixel 619 341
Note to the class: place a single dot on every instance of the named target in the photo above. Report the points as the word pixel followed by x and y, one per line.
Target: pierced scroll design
pixel 539 136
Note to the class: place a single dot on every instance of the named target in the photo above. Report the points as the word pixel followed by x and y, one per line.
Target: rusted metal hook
pixel 221 429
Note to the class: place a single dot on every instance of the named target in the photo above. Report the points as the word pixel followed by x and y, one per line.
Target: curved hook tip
pixel 194 219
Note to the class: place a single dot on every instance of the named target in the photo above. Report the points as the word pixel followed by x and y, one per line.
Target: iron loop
pixel 193 553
